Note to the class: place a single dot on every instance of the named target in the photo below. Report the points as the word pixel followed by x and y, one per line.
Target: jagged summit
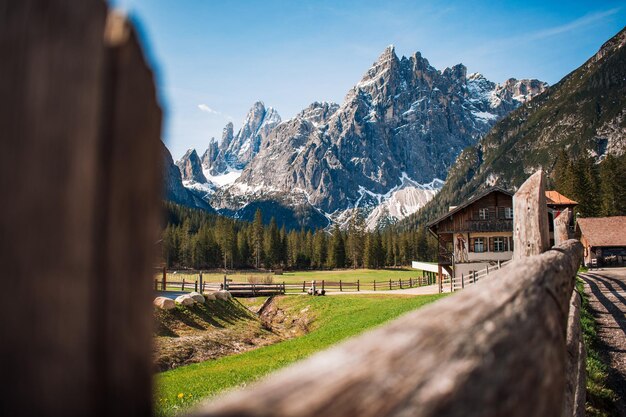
pixel 191 167
pixel 384 150
pixel 236 151
pixel 401 125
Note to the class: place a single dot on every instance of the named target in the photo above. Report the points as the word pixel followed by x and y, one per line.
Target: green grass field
pixel 335 319
pixel 296 277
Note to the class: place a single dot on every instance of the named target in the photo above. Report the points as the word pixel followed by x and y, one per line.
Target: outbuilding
pixel 604 240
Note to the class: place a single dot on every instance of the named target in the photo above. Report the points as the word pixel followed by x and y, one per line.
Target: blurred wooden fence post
pixel 81 173
pixel 561 226
pixel 530 218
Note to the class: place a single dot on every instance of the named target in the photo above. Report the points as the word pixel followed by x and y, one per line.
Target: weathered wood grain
pixel 79 176
pixel 502 354
pixel 531 235
pixel 575 391
pixel 561 226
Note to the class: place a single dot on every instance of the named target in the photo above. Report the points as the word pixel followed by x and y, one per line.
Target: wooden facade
pixel 477 233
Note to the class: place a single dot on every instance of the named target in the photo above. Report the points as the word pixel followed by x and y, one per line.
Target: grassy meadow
pixel 332 320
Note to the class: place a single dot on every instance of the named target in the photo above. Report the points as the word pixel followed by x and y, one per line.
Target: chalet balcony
pixel 491 225
pixel 495 225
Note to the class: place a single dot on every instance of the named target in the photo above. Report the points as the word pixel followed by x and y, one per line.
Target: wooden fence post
pixel 462 281
pixel 303 286
pixel 358 285
pixel 530 218
pixel 81 166
pixel 156 285
pixel 374 285
pixel 340 287
pixel 323 286
pixel 201 283
pixel 183 285
pixel 196 286
pixel 164 279
pixel 390 284
pixel 561 227
pixel 473 277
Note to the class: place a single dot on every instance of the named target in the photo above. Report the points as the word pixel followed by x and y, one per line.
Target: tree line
pixel 599 188
pixel 196 239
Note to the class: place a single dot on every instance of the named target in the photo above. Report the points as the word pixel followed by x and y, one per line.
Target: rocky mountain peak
pixel 190 167
pixel 318 112
pixel 236 151
pixel 227 136
pixel 521 90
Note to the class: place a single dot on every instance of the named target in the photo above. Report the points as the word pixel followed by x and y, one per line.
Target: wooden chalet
pixel 476 234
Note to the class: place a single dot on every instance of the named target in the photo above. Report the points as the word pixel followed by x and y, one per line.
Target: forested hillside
pixel 196 239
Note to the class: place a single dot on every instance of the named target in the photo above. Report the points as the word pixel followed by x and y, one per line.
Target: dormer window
pixel 483 213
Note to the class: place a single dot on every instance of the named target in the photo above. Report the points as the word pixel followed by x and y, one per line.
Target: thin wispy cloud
pixel 572 26
pixel 203 107
pixel 525 38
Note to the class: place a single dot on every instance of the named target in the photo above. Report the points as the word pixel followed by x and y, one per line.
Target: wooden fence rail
pixel 469 366
pixel 341 285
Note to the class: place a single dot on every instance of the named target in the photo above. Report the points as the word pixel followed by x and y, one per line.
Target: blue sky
pixel 214 58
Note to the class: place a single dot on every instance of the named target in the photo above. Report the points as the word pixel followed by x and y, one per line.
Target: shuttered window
pixel 479 244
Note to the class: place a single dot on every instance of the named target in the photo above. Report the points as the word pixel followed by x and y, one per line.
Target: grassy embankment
pixel 600 398
pixel 333 319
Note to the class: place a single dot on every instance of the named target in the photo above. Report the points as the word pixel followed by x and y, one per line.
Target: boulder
pixel 197 297
pixel 164 303
pixel 210 296
pixel 185 300
pixel 222 295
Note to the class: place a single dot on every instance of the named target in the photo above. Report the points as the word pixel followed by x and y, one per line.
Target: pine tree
pixel 338 249
pixel 369 252
pixel 356 233
pixel 563 174
pixel 379 250
pixel 226 239
pixel 613 186
pixel 257 237
pixel 319 249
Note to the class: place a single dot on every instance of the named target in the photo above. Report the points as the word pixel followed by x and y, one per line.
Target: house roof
pixel 604 231
pixel 558 199
pixel 471 200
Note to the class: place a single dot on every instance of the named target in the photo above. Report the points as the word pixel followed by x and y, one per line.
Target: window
pixel 499 244
pixel 508 212
pixel 483 213
pixel 479 244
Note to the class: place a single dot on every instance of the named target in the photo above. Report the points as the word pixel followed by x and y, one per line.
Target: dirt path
pixel 607 296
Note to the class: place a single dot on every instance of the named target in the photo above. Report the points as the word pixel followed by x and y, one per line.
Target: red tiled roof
pixel 556 198
pixel 604 231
